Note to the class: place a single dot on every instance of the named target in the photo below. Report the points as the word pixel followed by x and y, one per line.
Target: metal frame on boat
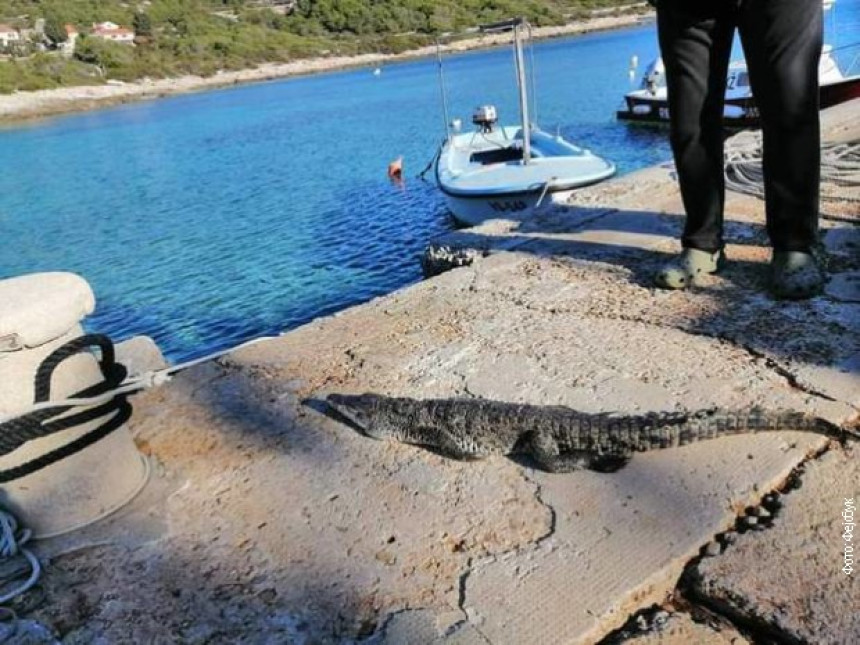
pixel 509 171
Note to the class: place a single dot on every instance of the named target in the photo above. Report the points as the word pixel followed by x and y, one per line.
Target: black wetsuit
pixel 782 42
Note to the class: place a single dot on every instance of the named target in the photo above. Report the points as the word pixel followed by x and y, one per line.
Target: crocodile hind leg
pixel 544 449
pixel 567 462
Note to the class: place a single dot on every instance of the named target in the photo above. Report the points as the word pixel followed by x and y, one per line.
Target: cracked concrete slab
pixel 284 524
pixel 621 541
pixel 325 533
pixel 788 580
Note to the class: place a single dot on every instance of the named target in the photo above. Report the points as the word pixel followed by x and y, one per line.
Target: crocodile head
pixel 356 408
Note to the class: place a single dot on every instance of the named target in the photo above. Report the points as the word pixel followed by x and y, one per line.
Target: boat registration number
pixel 508 206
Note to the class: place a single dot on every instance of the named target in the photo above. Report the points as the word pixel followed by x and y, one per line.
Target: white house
pixel 8 35
pixel 67 48
pixel 112 31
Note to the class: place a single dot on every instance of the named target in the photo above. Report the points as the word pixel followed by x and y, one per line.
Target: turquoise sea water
pixel 208 219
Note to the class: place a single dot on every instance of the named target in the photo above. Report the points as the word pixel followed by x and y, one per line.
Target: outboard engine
pixel 485 118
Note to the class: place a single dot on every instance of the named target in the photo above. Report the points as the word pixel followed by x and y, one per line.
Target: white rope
pixel 840 169
pixel 12 541
pixel 550 182
pixel 144 381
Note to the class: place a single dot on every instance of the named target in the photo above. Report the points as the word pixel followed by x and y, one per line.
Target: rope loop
pixel 46 421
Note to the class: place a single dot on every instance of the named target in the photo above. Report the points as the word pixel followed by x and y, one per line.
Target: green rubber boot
pixel 684 270
pixel 795 275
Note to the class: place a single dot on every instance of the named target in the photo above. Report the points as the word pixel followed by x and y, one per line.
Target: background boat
pixel 649 103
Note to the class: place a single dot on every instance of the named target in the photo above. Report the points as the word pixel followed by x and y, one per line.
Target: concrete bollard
pixel 38 314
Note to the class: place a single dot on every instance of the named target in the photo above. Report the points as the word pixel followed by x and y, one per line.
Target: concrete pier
pixel 268 521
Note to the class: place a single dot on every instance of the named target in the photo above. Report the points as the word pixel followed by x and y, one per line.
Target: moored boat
pixel 484 176
pixel 510 171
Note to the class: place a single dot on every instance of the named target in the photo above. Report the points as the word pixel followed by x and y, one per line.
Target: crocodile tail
pixel 718 423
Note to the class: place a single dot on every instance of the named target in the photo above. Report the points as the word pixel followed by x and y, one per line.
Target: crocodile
pixel 557 438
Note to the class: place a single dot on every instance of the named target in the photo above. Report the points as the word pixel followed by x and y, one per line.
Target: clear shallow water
pixel 209 219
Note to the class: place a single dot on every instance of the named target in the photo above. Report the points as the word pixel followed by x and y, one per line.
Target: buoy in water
pixel 395 168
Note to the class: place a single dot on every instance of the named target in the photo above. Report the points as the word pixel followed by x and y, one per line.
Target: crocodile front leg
pixel 443 442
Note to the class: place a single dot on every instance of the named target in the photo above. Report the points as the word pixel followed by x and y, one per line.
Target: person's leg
pixel 782 40
pixel 695 44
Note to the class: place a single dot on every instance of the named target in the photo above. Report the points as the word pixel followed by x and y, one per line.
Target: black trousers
pixel 782 42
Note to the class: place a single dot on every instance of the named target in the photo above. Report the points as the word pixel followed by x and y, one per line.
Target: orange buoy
pixel 395 168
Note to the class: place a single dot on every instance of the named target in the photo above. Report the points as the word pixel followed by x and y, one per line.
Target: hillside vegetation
pixel 175 37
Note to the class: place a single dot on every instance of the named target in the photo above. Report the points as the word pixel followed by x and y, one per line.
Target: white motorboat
pixel 509 171
pixel 649 104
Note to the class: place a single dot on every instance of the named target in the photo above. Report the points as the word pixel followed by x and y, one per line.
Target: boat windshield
pixel 654 76
pixel 738 78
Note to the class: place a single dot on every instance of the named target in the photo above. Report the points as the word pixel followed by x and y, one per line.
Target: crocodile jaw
pixel 355 408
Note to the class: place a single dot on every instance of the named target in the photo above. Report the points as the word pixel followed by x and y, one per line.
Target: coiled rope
pixel 12 541
pixel 840 174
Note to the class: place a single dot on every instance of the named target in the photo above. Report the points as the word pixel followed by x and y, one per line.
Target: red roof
pixel 115 32
pixel 101 30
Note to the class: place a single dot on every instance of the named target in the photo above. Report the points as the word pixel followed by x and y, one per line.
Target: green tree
pixel 142 24
pixel 55 30
pixel 112 59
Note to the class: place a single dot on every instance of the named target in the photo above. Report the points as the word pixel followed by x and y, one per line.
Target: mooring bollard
pixel 40 318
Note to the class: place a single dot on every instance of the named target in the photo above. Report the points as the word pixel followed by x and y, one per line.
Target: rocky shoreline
pixel 22 106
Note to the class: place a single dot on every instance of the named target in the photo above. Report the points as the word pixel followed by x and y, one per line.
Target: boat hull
pixel 472 211
pixel 740 112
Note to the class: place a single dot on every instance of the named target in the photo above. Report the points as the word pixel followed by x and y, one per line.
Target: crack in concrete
pixel 378 636
pixel 768 362
pixel 518 550
pixel 480 633
pixel 685 589
pixel 461 605
pixel 761 357
pixel 776 368
pixel 461 586
pixel 553 516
